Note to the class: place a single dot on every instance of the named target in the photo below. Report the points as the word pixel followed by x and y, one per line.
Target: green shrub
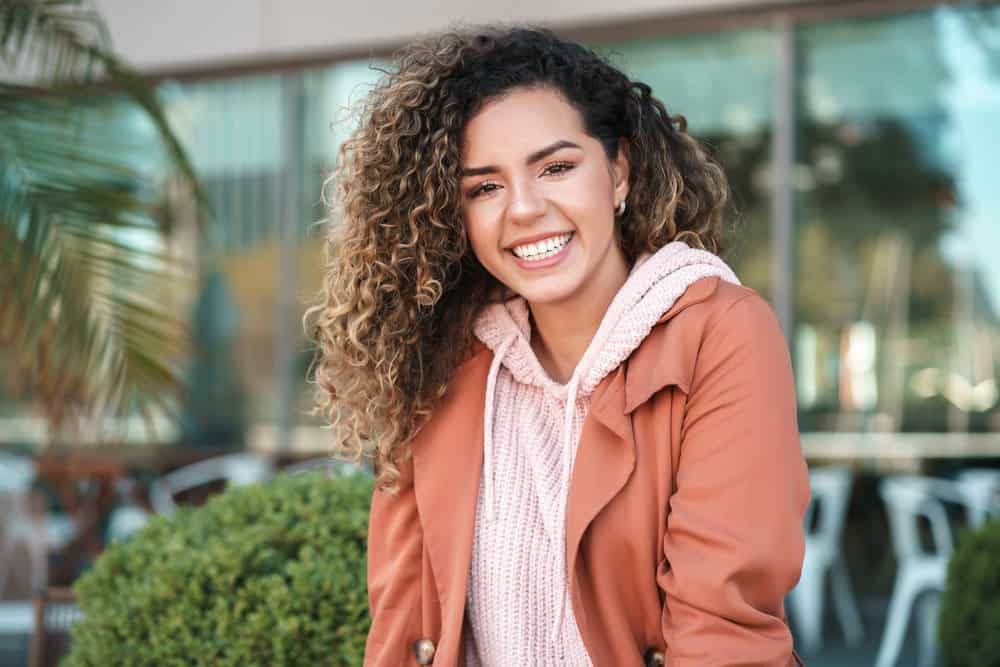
pixel 970 607
pixel 263 575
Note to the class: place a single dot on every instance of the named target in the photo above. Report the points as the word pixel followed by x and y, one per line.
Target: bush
pixel 970 607
pixel 263 575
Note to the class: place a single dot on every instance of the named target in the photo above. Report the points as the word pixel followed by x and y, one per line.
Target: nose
pixel 526 204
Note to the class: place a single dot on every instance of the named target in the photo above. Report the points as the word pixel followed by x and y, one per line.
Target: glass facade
pixel 234 131
pixel 895 292
pixel 265 145
pixel 723 84
pixel 897 285
pixel 894 325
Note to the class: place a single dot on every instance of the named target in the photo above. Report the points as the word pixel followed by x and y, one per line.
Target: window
pixel 723 83
pixel 898 232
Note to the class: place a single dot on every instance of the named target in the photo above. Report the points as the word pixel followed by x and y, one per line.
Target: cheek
pixel 589 204
pixel 481 239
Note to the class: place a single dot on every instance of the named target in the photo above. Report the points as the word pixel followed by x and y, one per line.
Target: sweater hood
pixel 654 284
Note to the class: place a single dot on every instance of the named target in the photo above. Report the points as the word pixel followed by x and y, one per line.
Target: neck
pixel 561 331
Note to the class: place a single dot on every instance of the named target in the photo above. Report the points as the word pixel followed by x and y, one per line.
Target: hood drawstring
pixel 567 446
pixel 490 408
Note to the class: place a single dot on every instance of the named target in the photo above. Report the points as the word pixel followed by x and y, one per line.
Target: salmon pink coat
pixel 684 524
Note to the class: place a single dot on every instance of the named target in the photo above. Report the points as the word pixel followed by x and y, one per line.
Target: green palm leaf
pixel 85 275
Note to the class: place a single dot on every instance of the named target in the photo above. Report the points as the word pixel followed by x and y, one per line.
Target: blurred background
pixel 161 166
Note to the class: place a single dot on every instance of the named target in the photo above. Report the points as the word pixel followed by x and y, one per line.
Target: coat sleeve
pixel 734 540
pixel 395 544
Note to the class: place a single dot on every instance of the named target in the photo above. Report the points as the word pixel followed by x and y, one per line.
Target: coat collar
pixel 667 355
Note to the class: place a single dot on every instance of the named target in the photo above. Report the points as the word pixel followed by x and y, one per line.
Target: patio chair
pixel 920 574
pixel 56 610
pixel 831 490
pixel 21 528
pixel 981 488
pixel 128 517
pixel 333 467
pixel 236 469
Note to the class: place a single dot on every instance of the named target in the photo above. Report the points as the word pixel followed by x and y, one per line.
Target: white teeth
pixel 542 249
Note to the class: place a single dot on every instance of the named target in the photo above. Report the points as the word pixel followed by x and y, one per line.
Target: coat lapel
pixel 447 466
pixel 604 460
pixel 605 457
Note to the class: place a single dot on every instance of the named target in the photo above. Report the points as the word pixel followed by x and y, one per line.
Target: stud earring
pixel 620 209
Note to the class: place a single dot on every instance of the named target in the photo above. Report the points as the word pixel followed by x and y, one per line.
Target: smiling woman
pixel 583 425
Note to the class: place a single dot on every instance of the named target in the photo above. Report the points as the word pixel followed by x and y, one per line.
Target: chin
pixel 546 294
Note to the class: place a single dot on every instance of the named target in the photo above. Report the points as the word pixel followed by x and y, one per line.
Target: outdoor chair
pixel 831 491
pixel 235 469
pixel 981 488
pixel 128 517
pixel 20 528
pixel 920 574
pixel 333 467
pixel 56 610
pixel 30 530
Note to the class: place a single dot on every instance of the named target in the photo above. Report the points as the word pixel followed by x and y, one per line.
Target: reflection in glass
pixel 724 85
pixel 333 94
pixel 898 289
pixel 233 131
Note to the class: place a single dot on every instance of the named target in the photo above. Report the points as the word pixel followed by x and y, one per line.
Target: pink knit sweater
pixel 518 600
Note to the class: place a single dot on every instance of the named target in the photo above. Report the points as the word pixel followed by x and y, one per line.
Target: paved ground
pixel 837 654
pixel 13 651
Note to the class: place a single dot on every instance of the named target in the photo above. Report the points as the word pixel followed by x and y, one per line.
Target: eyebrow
pixel 540 154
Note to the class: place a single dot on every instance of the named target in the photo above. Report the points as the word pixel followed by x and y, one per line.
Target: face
pixel 538 198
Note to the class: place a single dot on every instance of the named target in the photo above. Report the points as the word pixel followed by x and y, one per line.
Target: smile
pixel 541 249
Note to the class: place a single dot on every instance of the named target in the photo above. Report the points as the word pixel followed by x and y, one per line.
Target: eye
pixel 488 186
pixel 558 167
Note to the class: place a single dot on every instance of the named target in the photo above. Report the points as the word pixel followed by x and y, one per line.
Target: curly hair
pixel 402 286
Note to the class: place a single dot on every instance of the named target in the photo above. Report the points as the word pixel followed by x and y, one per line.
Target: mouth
pixel 540 250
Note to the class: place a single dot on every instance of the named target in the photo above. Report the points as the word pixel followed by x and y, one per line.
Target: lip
pixel 535 239
pixel 530 265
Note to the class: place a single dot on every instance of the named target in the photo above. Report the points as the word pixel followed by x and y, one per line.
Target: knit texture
pixel 518 602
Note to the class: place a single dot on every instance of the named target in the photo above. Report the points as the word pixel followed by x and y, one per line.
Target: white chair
pixel 920 574
pixel 126 521
pixel 333 467
pixel 21 527
pixel 128 517
pixel 981 488
pixel 235 469
pixel 831 491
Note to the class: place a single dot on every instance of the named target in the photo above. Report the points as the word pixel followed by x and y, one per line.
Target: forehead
pixel 518 123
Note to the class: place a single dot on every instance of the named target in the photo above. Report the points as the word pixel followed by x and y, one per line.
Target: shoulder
pixel 727 310
pixel 740 336
pixel 728 306
pixel 720 316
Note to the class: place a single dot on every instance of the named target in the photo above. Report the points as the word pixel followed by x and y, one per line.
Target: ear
pixel 620 171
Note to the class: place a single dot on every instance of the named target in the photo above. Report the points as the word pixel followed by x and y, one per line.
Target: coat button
pixel 423 650
pixel 654 658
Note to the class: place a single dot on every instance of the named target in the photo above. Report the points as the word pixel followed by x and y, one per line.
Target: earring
pixel 620 209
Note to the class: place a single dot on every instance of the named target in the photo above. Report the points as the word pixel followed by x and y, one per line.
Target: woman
pixel 583 426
